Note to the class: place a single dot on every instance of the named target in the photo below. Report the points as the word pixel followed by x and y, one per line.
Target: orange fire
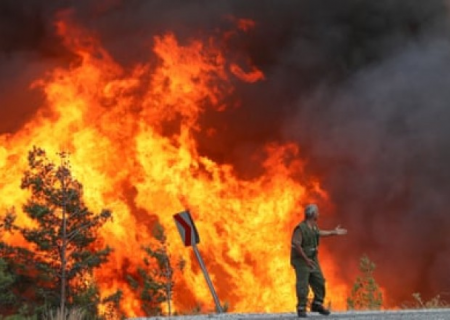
pixel 131 136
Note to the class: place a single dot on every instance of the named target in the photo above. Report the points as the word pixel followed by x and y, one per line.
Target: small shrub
pixel 72 314
pixel 418 302
pixel 196 310
pixel 365 294
pixel 20 317
pixel 225 307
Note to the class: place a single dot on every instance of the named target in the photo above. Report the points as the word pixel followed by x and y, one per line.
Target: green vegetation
pixel 55 270
pixel 51 275
pixel 154 280
pixel 225 307
pixel 7 281
pixel 419 303
pixel 365 294
pixel 73 314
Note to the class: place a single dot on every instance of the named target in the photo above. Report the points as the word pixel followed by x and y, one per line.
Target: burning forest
pixel 242 112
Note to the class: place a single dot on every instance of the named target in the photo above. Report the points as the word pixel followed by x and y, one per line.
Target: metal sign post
pixel 190 237
pixel 208 280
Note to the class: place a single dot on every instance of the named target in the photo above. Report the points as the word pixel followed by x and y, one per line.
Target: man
pixel 305 240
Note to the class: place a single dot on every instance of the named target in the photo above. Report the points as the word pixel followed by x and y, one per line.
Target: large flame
pixel 131 138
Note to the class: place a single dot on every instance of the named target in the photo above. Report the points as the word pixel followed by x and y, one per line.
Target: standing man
pixel 305 240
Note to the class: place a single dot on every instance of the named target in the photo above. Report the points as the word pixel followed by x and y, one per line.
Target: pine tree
pixel 365 294
pixel 8 298
pixel 14 281
pixel 63 236
pixel 7 280
pixel 155 279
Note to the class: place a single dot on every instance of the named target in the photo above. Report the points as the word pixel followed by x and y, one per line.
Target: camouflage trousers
pixel 306 277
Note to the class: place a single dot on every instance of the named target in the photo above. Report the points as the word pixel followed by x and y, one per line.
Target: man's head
pixel 311 212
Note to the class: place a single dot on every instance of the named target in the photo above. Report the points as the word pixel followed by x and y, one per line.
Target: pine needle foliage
pixel 365 294
pixel 16 285
pixel 154 279
pixel 63 249
pixel 8 299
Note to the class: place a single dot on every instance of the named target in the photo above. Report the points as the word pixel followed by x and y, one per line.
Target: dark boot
pixel 301 313
pixel 317 307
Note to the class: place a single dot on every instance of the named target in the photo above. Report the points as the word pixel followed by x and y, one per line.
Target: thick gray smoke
pixel 380 140
pixel 363 86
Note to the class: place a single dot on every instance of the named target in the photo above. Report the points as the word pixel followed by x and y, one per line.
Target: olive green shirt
pixel 309 240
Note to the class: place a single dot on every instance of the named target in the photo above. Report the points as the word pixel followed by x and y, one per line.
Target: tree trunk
pixel 168 286
pixel 63 265
pixel 63 250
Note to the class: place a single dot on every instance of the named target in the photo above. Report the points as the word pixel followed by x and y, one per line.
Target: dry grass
pixel 73 314
pixel 434 303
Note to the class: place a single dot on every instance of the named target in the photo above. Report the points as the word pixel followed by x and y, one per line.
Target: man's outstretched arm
pixel 338 231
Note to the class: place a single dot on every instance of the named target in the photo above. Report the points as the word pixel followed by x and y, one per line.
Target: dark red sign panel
pixel 187 229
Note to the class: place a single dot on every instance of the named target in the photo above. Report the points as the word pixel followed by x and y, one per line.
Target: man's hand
pixel 310 263
pixel 340 231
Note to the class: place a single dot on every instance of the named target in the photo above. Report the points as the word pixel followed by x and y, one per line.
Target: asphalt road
pixel 419 314
pixel 435 314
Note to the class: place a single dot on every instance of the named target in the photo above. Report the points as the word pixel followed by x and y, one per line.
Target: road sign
pixel 187 229
pixel 190 237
